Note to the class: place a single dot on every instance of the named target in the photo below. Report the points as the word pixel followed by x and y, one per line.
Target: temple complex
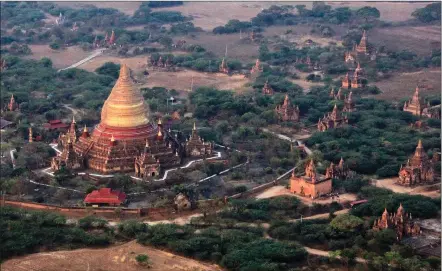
pixel 196 147
pixel 70 135
pixel 286 111
pixel 257 67
pixel 340 171
pixel 349 58
pixel 418 170
pixel 400 221
pixel 311 184
pixel 267 89
pixel 332 120
pixel 349 104
pixel 353 81
pixel 12 105
pixel 417 107
pixel 146 165
pixel 362 46
pixel 68 158
pixel 120 138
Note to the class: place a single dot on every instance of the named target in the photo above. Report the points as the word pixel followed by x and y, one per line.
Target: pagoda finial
pixel 85 129
pixel 124 72
pixel 30 135
pixel 73 119
pixel 419 144
pixel 160 122
pixel 194 126
pixel 147 143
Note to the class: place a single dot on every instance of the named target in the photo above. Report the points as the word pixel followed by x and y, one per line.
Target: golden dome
pixel 125 106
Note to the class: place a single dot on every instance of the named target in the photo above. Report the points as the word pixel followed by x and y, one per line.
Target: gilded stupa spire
pixel 125 106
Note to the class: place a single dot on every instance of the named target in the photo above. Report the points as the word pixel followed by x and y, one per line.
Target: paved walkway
pixel 90 57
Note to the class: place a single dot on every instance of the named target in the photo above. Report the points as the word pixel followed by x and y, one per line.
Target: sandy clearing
pixel 425 190
pixel 113 258
pixel 280 190
pixel 60 58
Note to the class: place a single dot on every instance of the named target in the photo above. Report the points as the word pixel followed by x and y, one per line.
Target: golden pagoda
pixel 121 136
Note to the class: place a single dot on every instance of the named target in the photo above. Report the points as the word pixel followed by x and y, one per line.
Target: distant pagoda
pixel 418 170
pixel 286 111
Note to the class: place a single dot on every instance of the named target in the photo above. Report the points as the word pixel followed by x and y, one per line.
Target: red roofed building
pixel 105 196
pixel 55 124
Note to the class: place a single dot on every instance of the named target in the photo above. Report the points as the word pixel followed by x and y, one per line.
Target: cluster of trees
pixel 429 14
pixel 234 249
pixel 198 60
pixel 379 199
pixel 263 209
pixel 285 15
pixel 26 232
pixel 83 89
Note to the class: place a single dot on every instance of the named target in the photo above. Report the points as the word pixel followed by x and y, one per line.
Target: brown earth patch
pixel 420 40
pixel 432 190
pixel 114 258
pixel 60 58
pixel 128 8
pixel 403 84
pixel 179 80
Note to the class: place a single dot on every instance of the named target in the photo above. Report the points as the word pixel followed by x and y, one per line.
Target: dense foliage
pixel 429 13
pixel 25 232
pixel 379 199
pixel 235 249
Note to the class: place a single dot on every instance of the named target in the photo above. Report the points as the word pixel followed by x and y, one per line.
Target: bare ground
pixel 114 258
pixel 280 190
pixel 128 8
pixel 179 80
pixel 420 40
pixel 60 58
pixel 403 85
pixel 424 190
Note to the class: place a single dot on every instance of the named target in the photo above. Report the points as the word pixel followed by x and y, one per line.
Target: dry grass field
pixel 403 85
pixel 180 80
pixel 128 7
pixel 420 40
pixel 60 58
pixel 115 258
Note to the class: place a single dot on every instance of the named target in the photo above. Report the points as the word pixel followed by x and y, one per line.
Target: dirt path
pixel 84 60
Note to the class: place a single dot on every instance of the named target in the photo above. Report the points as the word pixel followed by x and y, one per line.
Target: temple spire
pixel 124 72
pixel 30 135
